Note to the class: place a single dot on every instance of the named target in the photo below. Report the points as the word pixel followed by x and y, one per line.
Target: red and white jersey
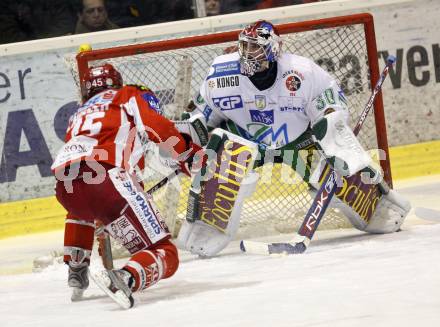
pixel 113 126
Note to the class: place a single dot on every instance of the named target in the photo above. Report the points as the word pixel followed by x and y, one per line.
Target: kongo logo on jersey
pixel 228 103
pixel 228 81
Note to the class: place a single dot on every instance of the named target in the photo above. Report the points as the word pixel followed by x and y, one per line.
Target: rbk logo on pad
pixel 228 103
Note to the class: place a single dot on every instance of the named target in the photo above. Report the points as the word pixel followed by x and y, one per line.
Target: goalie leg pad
pixel 215 204
pixel 206 240
pixel 389 215
pixel 365 204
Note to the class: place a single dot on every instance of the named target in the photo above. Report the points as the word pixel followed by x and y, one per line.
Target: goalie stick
pixel 427 214
pixel 323 196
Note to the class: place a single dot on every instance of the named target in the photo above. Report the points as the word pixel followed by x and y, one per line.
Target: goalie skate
pixel 115 283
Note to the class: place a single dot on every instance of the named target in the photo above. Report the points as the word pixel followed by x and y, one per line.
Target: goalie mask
pixel 258 45
pixel 100 78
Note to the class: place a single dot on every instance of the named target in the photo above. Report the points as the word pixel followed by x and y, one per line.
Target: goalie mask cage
pixel 174 69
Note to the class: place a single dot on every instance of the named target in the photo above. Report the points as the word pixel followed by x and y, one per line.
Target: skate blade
pixel 77 294
pixel 103 281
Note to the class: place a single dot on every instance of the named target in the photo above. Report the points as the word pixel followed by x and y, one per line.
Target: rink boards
pixel 45 214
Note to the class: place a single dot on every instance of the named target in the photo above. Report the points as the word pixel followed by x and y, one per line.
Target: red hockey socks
pixel 149 266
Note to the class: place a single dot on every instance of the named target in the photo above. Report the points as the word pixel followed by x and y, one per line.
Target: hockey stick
pixel 427 214
pixel 323 196
pixel 161 183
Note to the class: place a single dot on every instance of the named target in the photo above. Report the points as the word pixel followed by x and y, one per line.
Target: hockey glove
pixel 195 159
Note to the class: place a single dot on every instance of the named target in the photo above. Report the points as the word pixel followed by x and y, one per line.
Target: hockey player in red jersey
pixel 96 173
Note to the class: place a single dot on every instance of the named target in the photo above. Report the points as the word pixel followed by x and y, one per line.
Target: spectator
pixel 28 20
pixel 128 13
pixel 212 7
pixel 92 17
pixel 280 3
pixel 138 12
pixel 233 6
pixel 178 10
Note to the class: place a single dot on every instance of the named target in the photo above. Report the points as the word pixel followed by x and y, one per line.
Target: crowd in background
pixel 35 19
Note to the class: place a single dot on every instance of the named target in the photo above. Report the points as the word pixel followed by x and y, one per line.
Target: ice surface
pixel 346 278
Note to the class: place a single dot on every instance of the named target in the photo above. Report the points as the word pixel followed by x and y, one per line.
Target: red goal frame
pixel 366 19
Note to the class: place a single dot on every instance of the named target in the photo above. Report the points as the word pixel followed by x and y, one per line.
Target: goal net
pixel 174 70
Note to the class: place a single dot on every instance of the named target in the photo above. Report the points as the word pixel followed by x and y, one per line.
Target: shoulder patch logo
pixel 152 101
pixel 293 83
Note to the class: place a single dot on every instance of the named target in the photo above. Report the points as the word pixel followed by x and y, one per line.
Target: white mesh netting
pixel 279 204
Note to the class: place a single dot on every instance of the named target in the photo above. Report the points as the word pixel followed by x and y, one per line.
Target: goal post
pixel 174 69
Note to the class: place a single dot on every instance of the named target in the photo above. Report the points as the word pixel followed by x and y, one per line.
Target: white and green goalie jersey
pixel 275 116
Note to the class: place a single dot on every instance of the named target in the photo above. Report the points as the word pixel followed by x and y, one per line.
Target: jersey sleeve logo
pixel 228 103
pixel 152 101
